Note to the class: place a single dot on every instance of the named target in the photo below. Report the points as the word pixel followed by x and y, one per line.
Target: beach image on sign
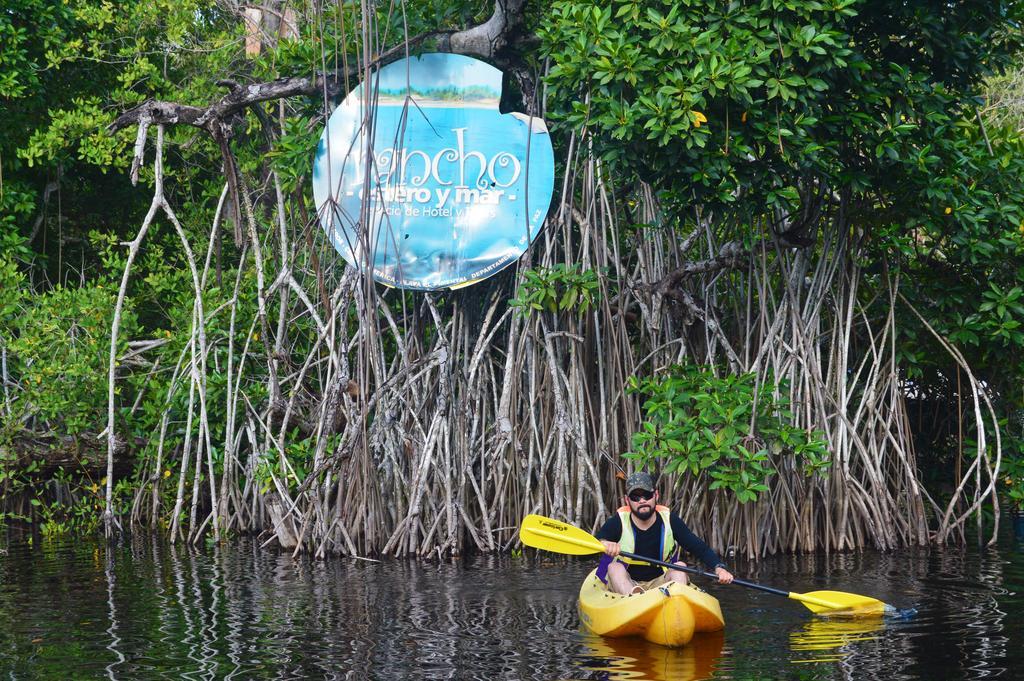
pixel 447 190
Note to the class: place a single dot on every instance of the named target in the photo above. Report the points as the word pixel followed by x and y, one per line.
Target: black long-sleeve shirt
pixel 648 544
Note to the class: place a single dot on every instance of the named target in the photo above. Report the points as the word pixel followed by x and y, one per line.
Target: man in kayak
pixel 643 527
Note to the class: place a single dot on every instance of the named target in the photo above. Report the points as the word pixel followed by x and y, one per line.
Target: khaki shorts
pixel 654 583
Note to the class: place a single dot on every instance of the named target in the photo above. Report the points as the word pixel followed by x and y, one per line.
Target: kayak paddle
pixel 553 535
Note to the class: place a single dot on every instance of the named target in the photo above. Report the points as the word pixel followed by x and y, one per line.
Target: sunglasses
pixel 640 496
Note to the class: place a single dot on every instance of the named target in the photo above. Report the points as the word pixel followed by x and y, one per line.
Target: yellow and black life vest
pixel 627 542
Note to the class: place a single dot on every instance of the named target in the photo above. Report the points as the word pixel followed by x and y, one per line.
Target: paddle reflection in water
pixel 828 640
pixel 633 658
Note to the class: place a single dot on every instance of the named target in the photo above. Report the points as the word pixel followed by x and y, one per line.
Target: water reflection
pixel 617 659
pixel 147 610
pixel 115 641
pixel 829 640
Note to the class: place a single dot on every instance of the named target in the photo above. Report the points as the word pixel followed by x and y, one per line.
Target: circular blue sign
pixel 420 177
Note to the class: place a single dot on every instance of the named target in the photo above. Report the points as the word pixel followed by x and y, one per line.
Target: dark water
pixel 145 610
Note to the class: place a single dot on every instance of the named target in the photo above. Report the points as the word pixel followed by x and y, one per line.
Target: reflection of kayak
pixel 635 658
pixel 667 615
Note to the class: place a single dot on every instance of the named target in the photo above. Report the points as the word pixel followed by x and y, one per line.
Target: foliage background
pixel 717 156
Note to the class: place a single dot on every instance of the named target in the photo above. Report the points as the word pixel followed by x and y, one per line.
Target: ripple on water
pixel 146 610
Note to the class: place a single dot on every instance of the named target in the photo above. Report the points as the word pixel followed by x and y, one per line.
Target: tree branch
pixel 731 255
pixel 492 36
pixel 485 40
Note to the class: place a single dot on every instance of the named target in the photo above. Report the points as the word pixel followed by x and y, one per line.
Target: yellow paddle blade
pixel 553 535
pixel 840 603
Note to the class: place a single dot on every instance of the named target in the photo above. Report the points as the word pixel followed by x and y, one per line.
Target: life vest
pixel 627 542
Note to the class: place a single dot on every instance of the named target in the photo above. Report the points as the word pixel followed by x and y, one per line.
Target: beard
pixel 644 512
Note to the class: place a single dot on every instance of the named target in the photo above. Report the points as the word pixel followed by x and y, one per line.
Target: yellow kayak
pixel 666 615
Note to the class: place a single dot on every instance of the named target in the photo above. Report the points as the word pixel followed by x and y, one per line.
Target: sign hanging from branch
pixel 419 177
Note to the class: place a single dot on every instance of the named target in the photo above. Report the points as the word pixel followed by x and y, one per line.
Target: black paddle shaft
pixel 695 571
